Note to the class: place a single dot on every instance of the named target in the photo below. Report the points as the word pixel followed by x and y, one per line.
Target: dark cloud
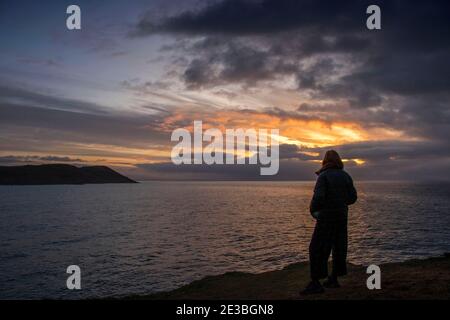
pixel 235 62
pixel 393 150
pixel 292 151
pixel 384 160
pixel 15 160
pixel 289 170
pixel 27 117
pixel 39 62
pixel 396 77
pixel 396 160
pixel 407 23
pixel 81 127
pixel 145 87
pixel 13 94
pixel 243 17
pixel 197 74
pixel 274 38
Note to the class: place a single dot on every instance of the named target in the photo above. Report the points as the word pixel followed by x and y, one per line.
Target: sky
pixel 113 92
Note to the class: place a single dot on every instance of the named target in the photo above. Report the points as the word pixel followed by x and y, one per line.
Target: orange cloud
pixel 294 130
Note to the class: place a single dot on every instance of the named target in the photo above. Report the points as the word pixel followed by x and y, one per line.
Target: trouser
pixel 328 236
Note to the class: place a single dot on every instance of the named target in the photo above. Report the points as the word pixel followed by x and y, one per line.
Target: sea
pixel 133 239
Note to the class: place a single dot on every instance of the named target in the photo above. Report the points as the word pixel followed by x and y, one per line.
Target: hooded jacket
pixel 333 193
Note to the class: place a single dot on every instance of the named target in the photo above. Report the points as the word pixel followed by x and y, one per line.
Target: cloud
pixel 13 95
pixel 88 134
pixel 30 159
pixel 383 160
pixel 39 62
pixel 309 68
pixel 416 151
pixel 363 67
pixel 77 128
pixel 289 170
pixel 238 17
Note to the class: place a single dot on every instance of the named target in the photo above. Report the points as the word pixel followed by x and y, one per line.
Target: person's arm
pixel 319 194
pixel 352 194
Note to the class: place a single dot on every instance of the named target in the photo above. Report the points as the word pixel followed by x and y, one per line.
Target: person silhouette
pixel 333 193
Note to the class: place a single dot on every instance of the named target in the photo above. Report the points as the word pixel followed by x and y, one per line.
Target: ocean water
pixel 153 236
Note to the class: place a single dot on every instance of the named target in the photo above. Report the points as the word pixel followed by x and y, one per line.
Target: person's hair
pixel 332 158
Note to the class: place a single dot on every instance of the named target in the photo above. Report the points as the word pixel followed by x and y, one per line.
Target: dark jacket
pixel 333 193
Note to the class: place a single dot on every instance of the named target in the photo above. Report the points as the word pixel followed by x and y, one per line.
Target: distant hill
pixel 59 174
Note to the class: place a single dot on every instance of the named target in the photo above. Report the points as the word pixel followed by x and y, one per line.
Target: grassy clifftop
pixel 414 279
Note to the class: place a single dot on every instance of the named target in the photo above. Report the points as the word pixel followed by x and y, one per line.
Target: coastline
pixel 412 279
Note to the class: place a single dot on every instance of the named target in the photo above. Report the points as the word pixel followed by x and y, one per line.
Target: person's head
pixel 332 158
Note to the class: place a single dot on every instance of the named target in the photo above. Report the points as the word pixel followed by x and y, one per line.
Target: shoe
pixel 313 287
pixel 331 283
